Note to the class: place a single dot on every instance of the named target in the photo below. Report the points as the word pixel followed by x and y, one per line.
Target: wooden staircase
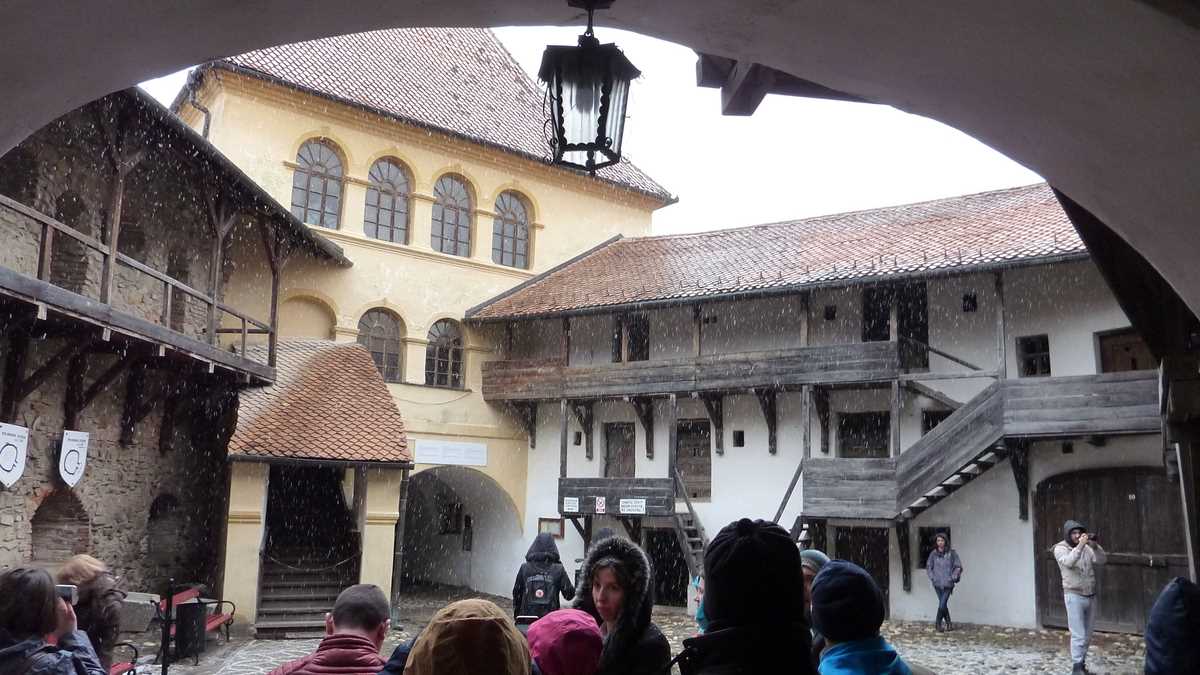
pixel 690 532
pixel 298 587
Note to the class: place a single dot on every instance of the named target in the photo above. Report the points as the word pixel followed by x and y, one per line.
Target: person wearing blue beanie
pixel 848 609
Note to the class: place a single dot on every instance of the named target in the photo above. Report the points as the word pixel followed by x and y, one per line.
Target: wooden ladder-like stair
pixel 689 531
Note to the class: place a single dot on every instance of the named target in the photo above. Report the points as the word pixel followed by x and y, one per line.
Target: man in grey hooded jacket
pixel 1078 555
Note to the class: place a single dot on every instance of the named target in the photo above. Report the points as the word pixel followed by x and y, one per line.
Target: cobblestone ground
pixel 970 649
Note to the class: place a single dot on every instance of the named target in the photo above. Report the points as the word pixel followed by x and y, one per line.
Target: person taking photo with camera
pixel 1078 554
pixel 32 608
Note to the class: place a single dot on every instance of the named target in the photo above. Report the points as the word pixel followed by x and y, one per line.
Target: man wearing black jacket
pixel 541 579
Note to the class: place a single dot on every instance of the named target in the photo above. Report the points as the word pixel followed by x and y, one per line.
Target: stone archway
pixel 60 527
pixel 461 529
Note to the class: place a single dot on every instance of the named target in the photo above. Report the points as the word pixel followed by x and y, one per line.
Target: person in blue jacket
pixel 848 609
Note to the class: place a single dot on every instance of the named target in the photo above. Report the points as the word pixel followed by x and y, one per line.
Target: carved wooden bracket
pixel 643 407
pixel 715 405
pixel 904 541
pixel 78 396
pixel 583 412
pixel 821 403
pixel 767 401
pixel 528 414
pixel 1018 457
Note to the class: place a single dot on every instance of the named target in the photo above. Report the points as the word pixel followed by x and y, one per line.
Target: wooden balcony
pixel 650 496
pixel 827 364
pixel 25 278
pixel 1087 405
pixel 849 488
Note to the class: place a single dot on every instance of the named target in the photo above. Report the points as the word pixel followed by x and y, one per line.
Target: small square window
pixel 578 438
pixel 739 438
pixel 1033 355
pixel 970 302
pixel 925 544
pixel 552 526
pixel 830 312
pixel 1068 448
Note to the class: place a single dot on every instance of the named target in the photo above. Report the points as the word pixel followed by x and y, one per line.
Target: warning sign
pixel 601 507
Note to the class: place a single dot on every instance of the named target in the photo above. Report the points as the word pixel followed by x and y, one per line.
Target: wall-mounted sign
pixel 14 445
pixel 433 451
pixel 570 504
pixel 72 458
pixel 633 506
pixel 601 507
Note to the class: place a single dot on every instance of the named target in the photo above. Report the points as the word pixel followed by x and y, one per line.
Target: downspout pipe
pixel 195 103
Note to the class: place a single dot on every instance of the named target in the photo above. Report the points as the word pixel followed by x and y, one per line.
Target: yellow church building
pixel 420 152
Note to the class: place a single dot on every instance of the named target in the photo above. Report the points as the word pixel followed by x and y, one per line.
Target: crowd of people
pixel 765 606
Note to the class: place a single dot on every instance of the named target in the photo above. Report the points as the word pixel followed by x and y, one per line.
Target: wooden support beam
pixel 221 219
pixel 509 340
pixel 1001 340
pixel 138 401
pixel 821 403
pixel 22 387
pixel 583 411
pixel 272 240
pixel 818 534
pixel 1018 457
pixel 562 438
pixel 805 318
pixel 806 396
pixel 17 352
pixel 767 402
pixel 904 542
pixel 527 412
pixel 564 345
pixel 80 395
pixel 578 527
pixel 745 88
pixel 672 434
pixel 714 404
pixel 122 161
pixel 895 418
pixel 697 329
pixel 643 407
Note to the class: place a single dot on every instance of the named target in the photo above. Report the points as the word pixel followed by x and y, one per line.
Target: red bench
pixel 125 667
pixel 212 622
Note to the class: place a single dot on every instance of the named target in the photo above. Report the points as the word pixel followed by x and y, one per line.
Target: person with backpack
pixel 541 579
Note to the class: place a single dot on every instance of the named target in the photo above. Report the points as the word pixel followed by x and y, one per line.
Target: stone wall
pixel 122 497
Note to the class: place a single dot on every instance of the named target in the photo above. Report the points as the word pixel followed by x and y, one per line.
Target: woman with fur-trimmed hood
pixel 616 587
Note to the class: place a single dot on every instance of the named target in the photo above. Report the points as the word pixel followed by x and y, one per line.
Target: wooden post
pixel 509 330
pixel 562 438
pixel 805 318
pixel 273 246
pixel 895 418
pixel 1001 340
pixel 821 403
pixel 45 253
pixel 697 329
pixel 643 407
pixel 565 342
pixel 115 201
pixel 221 218
pixel 806 395
pixel 894 314
pixel 624 323
pixel 672 434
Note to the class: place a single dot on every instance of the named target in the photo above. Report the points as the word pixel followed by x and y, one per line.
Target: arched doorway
pixel 1136 513
pixel 61 528
pixel 460 526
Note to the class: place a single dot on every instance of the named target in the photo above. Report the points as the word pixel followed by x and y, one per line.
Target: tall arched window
pixel 317 184
pixel 444 355
pixel 386 214
pixel 510 231
pixel 451 216
pixel 379 332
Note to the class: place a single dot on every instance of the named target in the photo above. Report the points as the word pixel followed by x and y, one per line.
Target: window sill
pixel 441 387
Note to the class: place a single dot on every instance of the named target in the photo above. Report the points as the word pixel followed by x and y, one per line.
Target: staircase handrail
pixel 943 354
pixel 691 509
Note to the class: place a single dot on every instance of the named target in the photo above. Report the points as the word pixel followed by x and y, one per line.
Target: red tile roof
pixel 459 80
pixel 959 233
pixel 328 403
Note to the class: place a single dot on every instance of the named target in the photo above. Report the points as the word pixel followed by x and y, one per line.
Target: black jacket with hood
pixel 542 558
pixel 72 656
pixel 635 646
pixel 1173 631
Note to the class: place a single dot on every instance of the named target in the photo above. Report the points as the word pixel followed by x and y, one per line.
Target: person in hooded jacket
pixel 1078 555
pixel 754 599
pixel 541 579
pixel 30 610
pixel 944 569
pixel 566 642
pixel 617 590
pixel 1173 631
pixel 354 632
pixel 470 637
pixel 848 609
pixel 99 606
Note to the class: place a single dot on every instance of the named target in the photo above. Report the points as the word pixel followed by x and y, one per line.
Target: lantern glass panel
pixel 618 98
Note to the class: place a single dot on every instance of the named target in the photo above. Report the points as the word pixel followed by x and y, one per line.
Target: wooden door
pixel 1137 515
pixel 866 547
pixel 693 457
pixel 1124 350
pixel 618 450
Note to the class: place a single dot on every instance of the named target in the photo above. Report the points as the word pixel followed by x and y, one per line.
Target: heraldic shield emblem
pixel 72 458
pixel 14 445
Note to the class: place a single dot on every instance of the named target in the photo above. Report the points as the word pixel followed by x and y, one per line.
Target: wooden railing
pixel 51 228
pixel 657 494
pixel 849 488
pixel 826 364
pixel 1112 403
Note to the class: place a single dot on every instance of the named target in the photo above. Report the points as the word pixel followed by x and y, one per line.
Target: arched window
pixel 510 231
pixel 317 184
pixel 386 214
pixel 444 355
pixel 451 217
pixel 379 332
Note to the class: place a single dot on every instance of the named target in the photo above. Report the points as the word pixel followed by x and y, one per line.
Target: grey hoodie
pixel 1077 562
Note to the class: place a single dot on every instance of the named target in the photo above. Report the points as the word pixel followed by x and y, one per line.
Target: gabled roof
pixel 328 404
pixel 1004 227
pixel 461 81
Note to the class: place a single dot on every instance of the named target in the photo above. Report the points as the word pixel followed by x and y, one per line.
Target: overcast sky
pixel 793 158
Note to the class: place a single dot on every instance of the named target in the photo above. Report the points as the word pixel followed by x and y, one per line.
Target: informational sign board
pixel 570 504
pixel 14 446
pixel 432 451
pixel 601 507
pixel 633 506
pixel 72 458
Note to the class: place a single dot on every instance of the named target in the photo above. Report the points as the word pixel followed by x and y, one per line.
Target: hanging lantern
pixel 587 89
